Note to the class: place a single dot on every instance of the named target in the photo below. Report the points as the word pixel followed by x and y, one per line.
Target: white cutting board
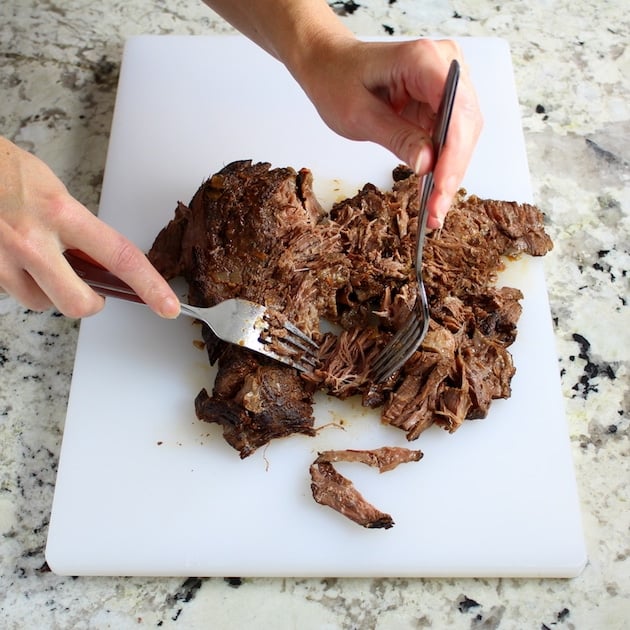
pixel 144 488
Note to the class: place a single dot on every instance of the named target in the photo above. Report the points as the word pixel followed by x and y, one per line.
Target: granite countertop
pixel 59 66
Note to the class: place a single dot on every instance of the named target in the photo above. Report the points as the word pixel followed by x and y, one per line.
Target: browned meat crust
pixel 255 402
pixel 336 491
pixel 256 232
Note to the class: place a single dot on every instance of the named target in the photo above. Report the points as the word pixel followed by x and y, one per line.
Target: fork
pixel 236 320
pixel 414 329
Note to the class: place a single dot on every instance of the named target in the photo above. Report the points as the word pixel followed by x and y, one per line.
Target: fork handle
pixel 97 277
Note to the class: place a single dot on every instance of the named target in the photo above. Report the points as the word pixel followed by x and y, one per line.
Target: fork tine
pixel 295 338
pixel 306 360
pixel 406 341
pixel 298 352
pixel 301 350
pixel 390 349
pixel 308 341
pixel 300 363
pixel 396 344
pixel 397 351
pixel 404 336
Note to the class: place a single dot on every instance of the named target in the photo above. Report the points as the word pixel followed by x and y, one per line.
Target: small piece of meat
pixel 488 368
pixel 385 458
pixel 255 401
pixel 497 311
pixel 522 223
pixel 416 394
pixel 336 491
pixel 346 360
pixel 166 252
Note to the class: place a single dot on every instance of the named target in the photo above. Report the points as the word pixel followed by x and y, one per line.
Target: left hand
pixel 39 220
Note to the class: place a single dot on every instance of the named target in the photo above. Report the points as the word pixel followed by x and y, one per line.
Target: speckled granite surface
pixel 58 72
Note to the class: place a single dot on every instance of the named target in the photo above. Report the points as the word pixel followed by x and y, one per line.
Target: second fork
pixel 413 331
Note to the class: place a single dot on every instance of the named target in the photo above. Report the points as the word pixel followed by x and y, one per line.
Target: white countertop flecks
pixel 59 67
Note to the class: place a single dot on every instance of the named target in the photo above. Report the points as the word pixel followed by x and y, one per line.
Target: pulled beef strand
pixel 331 488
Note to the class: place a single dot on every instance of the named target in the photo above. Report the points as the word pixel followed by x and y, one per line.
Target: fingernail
pixel 443 205
pixel 423 161
pixel 170 308
pixel 445 200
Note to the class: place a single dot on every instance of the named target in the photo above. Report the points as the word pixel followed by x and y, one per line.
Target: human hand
pixel 389 93
pixel 39 220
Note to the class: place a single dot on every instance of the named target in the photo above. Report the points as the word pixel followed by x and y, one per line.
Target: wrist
pixel 311 37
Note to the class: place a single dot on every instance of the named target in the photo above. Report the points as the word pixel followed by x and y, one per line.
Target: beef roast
pixel 258 232
pixel 231 241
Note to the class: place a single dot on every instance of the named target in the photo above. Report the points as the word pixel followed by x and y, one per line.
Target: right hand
pixel 39 221
pixel 389 93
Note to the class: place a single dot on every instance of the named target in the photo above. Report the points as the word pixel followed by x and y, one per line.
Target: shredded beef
pixel 258 232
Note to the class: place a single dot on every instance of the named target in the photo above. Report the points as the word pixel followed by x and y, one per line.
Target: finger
pixel 22 288
pixel 419 114
pixel 465 123
pixel 377 121
pixel 427 65
pixel 29 267
pixel 125 260
pixel 56 280
pixel 450 169
pixel 406 81
pixel 40 221
pixel 413 71
pixel 34 271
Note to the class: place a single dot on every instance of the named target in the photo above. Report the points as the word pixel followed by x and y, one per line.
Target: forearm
pixel 290 30
pixel 384 92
